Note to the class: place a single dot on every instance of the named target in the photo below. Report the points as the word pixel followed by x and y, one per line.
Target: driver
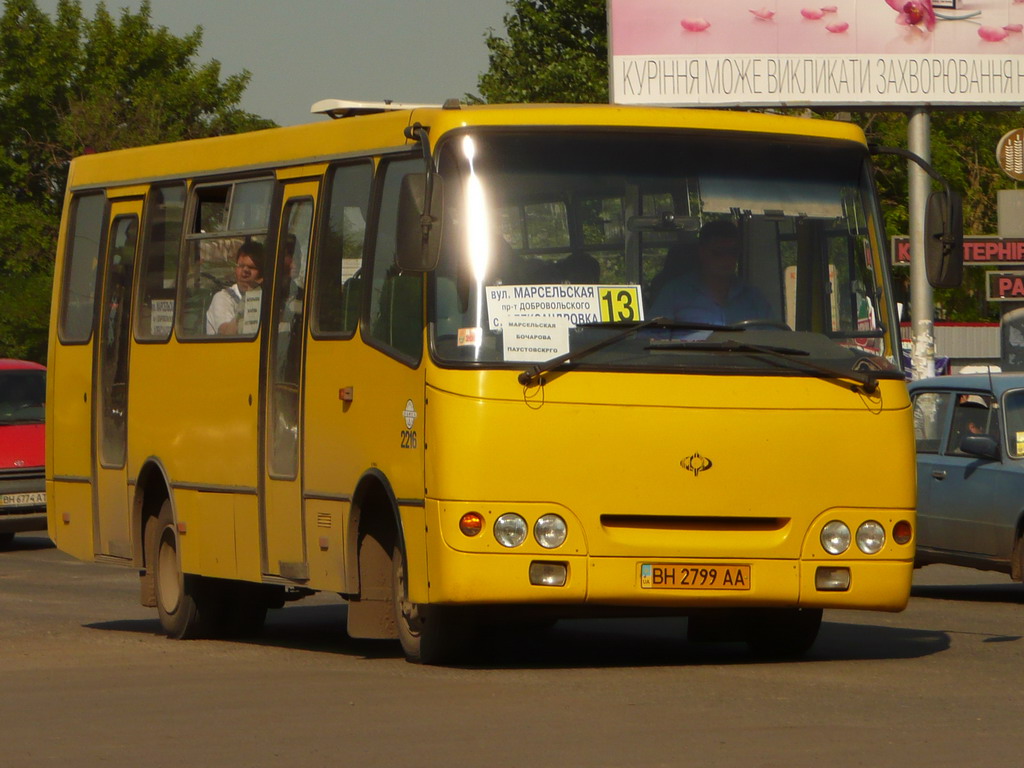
pixel 711 291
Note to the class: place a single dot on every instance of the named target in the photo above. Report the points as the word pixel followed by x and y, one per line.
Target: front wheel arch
pixel 374 513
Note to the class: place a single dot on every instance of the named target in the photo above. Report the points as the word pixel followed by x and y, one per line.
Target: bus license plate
pixel 690 576
pixel 23 499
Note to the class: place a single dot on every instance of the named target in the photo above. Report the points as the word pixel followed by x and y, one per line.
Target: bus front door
pixel 112 505
pixel 284 548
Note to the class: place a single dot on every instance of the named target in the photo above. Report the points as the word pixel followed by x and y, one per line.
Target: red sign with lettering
pixel 977 250
pixel 1005 286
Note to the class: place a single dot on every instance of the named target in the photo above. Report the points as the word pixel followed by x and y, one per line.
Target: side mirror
pixel 418 239
pixel 982 446
pixel 944 239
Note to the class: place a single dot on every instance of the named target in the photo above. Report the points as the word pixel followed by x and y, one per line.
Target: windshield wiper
pixel 533 374
pixel 868 382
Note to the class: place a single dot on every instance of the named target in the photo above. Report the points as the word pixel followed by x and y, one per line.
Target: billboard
pixel 816 52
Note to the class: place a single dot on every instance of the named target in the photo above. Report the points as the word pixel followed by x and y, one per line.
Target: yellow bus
pixel 464 365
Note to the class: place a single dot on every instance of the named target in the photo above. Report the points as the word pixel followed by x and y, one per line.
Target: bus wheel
pixel 783 632
pixel 180 597
pixel 6 539
pixel 430 634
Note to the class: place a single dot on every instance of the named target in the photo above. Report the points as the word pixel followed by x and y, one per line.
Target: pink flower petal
pixel 811 13
pixel 766 14
pixel 914 12
pixel 840 26
pixel 695 25
pixel 1014 27
pixel 829 9
pixel 992 34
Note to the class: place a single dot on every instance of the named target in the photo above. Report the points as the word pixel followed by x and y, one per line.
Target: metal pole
pixel 922 306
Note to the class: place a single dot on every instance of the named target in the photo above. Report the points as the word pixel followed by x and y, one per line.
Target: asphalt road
pixel 86 679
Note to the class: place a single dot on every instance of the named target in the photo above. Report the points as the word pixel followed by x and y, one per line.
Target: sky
pixel 301 51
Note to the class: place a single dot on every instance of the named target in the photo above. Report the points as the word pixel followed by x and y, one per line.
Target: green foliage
pixel 556 51
pixel 70 85
pixel 963 149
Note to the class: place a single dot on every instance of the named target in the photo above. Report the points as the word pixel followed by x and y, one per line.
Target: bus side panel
pixel 69 507
pixel 193 408
pixel 246 530
pixel 219 534
pixel 414 527
pixel 213 526
pixel 376 431
pixel 69 431
pixel 325 543
pixel 70 414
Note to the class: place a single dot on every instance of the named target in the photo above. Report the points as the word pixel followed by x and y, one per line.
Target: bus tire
pixel 783 632
pixel 429 634
pixel 184 601
pixel 6 539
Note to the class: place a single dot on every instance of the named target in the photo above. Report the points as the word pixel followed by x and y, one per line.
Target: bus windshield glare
pixel 554 241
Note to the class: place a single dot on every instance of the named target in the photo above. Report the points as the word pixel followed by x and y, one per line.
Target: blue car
pixel 970 471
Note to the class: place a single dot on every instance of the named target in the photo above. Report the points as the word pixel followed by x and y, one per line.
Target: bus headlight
pixel 510 530
pixel 835 537
pixel 550 531
pixel 870 537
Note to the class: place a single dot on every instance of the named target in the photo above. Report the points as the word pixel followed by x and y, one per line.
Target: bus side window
pixel 396 299
pixel 336 284
pixel 83 255
pixel 224 219
pixel 161 250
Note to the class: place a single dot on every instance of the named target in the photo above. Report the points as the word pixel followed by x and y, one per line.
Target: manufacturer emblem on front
pixel 696 464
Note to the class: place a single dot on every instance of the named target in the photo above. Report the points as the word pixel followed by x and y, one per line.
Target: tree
pixel 70 85
pixel 557 51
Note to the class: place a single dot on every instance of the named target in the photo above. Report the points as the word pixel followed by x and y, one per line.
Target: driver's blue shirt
pixel 684 299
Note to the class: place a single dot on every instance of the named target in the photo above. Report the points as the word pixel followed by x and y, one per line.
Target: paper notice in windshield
pixel 576 304
pixel 535 339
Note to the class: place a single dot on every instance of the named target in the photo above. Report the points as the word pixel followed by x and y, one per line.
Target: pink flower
pixel 766 14
pixel 992 34
pixel 914 12
pixel 1014 27
pixel 695 25
pixel 838 27
pixel 811 13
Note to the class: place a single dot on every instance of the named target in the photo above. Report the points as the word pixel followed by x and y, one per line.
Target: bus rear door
pixel 110 382
pixel 283 530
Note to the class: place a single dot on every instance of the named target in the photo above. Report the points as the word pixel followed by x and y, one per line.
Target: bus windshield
pixel 555 240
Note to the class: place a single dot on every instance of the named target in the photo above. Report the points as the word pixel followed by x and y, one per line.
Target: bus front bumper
pixel 508 578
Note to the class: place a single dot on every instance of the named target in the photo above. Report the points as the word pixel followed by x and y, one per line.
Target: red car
pixel 22 453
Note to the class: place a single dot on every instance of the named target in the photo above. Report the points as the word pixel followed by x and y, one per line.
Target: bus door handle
pixel 939 474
